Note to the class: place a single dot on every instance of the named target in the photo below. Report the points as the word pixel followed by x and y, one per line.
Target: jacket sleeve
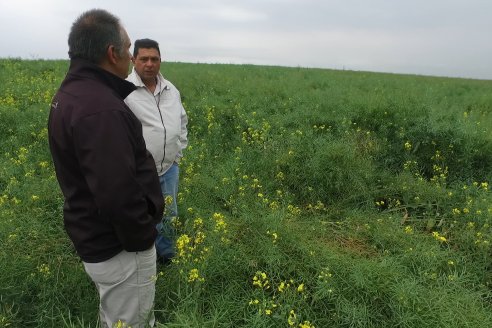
pixel 183 137
pixel 106 146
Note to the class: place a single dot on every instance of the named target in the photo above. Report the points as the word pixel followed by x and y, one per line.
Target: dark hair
pixel 92 33
pixel 146 44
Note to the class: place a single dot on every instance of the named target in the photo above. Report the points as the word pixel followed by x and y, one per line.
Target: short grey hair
pixel 92 33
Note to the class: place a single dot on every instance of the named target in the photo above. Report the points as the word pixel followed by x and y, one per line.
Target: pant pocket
pixel 107 272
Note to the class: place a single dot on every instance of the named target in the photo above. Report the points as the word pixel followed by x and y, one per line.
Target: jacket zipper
pixel 164 126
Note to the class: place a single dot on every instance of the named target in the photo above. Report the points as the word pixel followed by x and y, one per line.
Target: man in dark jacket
pixel 109 181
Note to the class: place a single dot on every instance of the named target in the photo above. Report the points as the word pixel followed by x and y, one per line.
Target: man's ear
pixel 112 54
pixel 133 60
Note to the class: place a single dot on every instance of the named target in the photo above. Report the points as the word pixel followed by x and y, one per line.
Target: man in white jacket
pixel 157 104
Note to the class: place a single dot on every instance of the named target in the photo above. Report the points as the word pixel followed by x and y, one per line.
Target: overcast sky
pixel 428 37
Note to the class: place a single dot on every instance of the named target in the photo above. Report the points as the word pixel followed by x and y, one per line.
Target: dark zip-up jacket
pixel 113 199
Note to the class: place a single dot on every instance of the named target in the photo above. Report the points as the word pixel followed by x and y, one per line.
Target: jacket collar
pixel 83 68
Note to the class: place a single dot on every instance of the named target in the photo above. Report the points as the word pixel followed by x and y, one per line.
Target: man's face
pixel 124 61
pixel 147 63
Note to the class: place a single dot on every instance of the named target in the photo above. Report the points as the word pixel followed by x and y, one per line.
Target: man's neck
pixel 151 84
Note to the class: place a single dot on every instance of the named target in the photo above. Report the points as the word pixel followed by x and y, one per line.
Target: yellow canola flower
pixel 220 224
pixel 121 324
pixel 43 164
pixel 274 236
pixel 438 237
pixel 253 302
pixel 197 223
pixel 44 269
pixel 306 324
pixel 200 237
pixel 194 275
pixel 261 280
pixel 294 210
pixel 324 275
pixel 280 176
pixel 292 319
pixel 182 244
pixel 168 200
pixel 282 286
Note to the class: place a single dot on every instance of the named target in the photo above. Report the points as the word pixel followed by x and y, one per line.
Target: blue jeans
pixel 164 242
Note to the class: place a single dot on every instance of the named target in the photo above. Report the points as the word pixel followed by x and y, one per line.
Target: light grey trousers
pixel 126 286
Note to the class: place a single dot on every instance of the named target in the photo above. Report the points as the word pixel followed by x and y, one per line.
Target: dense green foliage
pixel 308 198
